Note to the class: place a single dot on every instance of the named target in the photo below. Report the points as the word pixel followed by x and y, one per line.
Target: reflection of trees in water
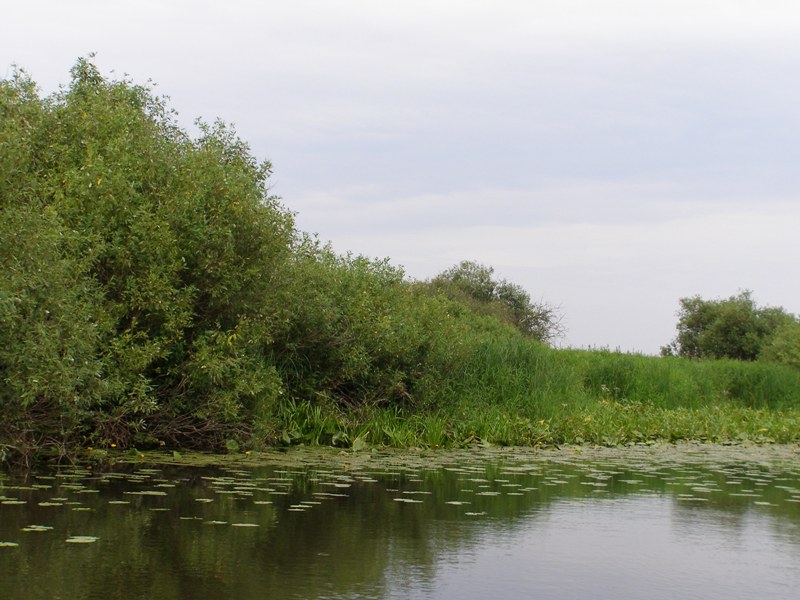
pixel 360 544
pixel 735 498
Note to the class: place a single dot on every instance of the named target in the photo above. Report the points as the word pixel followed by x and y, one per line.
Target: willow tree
pixel 734 327
pixel 141 270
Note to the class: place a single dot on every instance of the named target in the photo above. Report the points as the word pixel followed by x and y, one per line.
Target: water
pixel 639 523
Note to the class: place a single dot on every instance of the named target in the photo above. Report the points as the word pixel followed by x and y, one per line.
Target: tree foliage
pixel 475 285
pixel 735 328
pixel 784 346
pixel 129 249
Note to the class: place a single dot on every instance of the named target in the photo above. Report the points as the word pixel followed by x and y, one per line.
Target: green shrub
pixel 474 285
pixel 52 324
pixel 732 328
pixel 163 244
pixel 784 347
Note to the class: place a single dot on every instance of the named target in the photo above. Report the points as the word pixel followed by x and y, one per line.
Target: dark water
pixel 497 524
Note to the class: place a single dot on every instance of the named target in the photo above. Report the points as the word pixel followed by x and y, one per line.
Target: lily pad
pixel 37 528
pixel 82 539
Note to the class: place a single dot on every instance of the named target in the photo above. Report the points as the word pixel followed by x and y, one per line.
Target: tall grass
pixel 541 381
pixel 513 391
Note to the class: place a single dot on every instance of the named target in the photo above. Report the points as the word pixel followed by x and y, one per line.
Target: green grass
pixel 606 423
pixel 516 392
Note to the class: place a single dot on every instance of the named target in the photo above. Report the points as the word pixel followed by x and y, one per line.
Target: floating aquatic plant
pixel 82 539
pixel 37 528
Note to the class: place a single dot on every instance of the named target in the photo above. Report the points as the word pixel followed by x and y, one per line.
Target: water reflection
pixel 506 524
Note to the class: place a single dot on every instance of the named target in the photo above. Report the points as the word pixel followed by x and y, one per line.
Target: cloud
pixel 616 257
pixel 609 155
pixel 599 202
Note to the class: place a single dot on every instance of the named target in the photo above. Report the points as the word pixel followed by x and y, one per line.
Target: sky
pixel 610 156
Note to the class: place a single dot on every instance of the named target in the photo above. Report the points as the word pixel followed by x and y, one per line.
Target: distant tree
pixel 474 285
pixel 731 328
pixel 784 347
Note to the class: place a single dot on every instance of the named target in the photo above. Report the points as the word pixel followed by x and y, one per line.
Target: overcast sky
pixel 611 156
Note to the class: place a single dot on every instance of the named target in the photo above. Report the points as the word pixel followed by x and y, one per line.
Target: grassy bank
pixel 515 392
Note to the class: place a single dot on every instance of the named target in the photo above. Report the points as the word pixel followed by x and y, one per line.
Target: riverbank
pixel 375 457
pixel 154 295
pixel 507 392
pixel 515 392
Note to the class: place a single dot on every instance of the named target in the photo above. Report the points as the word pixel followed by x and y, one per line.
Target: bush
pixel 359 333
pixel 153 292
pixel 158 261
pixel 784 347
pixel 734 328
pixel 52 323
pixel 474 285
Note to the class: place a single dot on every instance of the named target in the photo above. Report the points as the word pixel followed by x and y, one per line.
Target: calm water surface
pixel 696 522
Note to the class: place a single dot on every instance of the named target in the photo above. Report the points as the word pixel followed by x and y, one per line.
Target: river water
pixel 657 523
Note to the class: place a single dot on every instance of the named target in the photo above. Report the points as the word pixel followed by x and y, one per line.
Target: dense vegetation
pixel 735 328
pixel 152 293
pixel 474 285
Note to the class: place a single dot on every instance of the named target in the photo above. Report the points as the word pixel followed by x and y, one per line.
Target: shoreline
pixel 683 452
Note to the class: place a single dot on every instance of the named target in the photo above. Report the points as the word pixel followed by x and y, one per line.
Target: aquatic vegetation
pixel 82 539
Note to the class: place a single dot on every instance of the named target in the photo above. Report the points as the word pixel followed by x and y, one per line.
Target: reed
pixel 513 391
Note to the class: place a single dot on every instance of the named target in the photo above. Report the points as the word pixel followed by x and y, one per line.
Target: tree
pixel 142 272
pixel 474 285
pixel 784 347
pixel 731 328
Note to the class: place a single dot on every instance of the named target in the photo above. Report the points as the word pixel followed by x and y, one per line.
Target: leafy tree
pixel 784 347
pixel 474 285
pixel 156 260
pixel 52 322
pixel 733 328
pixel 359 333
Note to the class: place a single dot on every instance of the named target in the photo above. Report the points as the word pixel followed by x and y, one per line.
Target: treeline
pixel 152 291
pixel 735 328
